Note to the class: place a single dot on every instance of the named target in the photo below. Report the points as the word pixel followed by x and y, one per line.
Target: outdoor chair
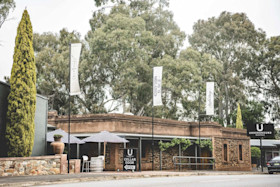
pixel 85 165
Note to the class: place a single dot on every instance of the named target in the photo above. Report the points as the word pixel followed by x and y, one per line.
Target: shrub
pixel 57 136
pixel 255 152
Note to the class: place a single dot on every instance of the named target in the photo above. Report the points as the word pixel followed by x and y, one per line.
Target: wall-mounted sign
pixel 129 159
pixel 260 130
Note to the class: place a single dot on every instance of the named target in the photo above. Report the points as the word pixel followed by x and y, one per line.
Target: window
pixel 240 152
pixel 225 153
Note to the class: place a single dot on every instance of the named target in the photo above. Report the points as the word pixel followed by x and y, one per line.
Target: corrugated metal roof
pixel 265 142
pixel 143 136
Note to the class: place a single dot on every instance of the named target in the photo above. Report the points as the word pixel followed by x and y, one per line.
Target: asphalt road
pixel 188 181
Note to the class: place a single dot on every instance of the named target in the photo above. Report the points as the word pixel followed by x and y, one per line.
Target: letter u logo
pixel 259 127
pixel 129 152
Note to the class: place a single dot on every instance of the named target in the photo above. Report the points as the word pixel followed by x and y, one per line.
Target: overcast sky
pixel 53 15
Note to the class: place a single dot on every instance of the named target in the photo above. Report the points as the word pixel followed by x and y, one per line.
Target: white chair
pixel 85 165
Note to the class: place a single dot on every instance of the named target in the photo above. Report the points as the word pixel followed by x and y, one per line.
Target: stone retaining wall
pixel 42 165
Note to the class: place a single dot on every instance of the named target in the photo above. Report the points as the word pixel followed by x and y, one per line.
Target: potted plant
pixel 58 146
pixel 57 137
pixel 255 155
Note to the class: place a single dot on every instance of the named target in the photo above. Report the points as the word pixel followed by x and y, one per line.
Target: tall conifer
pixel 22 98
pixel 239 124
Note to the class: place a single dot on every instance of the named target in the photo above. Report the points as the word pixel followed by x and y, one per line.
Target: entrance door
pixel 205 153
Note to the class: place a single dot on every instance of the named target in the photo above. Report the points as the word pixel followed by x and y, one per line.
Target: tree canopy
pixel 233 40
pixel 264 72
pixel 125 43
pixel 52 57
pixel 5 7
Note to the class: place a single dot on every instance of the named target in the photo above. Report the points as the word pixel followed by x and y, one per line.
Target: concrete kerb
pixel 85 177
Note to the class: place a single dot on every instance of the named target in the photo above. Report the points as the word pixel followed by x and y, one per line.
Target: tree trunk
pixel 221 106
pixel 226 109
pixel 123 104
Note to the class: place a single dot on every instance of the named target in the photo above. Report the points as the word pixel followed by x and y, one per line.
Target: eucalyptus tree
pixel 103 2
pixel 202 68
pixel 5 7
pixel 126 43
pixel 52 63
pixel 233 40
pixel 264 72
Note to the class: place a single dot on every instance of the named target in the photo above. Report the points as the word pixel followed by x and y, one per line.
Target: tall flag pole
pixel 74 87
pixel 209 107
pixel 157 81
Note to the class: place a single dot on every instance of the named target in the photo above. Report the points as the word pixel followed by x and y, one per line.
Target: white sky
pixel 53 15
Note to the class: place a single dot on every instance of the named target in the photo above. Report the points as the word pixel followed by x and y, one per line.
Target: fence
pixel 193 161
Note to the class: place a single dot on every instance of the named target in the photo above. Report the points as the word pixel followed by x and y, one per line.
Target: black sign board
pixel 260 130
pixel 129 159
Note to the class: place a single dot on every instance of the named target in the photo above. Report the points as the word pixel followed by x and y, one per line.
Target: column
pixel 140 152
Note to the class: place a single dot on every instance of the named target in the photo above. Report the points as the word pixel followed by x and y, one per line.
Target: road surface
pixel 188 181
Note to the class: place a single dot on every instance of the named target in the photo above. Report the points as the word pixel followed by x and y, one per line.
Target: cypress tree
pixel 239 124
pixel 22 98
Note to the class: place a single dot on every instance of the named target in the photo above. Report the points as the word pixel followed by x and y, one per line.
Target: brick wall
pixel 232 161
pixel 167 156
pixel 146 163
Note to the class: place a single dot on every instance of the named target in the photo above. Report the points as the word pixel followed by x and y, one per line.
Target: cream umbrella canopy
pixel 105 136
pixel 64 139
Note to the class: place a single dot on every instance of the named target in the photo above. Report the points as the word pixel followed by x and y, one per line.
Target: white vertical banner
pixel 75 50
pixel 157 76
pixel 209 98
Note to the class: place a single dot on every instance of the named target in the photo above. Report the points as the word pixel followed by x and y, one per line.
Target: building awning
pixel 143 136
pixel 265 142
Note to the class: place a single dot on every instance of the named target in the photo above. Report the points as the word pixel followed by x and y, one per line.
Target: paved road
pixel 188 181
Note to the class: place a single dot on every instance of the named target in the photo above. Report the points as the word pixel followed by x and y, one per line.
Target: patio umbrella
pixel 105 136
pixel 64 139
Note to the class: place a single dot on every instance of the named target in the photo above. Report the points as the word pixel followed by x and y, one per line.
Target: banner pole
pixel 69 112
pixel 153 138
pixel 261 154
pixel 157 101
pixel 199 103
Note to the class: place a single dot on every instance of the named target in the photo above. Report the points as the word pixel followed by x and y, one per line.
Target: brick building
pixel 231 147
